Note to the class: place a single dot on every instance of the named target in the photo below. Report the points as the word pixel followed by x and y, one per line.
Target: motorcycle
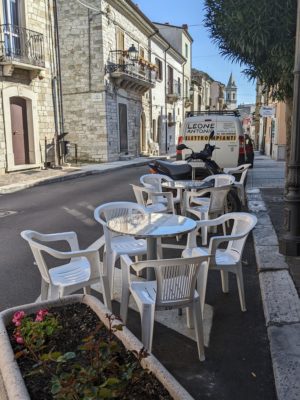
pixel 184 171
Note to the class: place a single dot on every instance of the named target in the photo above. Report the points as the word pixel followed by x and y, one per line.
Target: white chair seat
pixel 202 209
pixel 128 245
pixel 223 256
pixel 72 273
pixel 156 208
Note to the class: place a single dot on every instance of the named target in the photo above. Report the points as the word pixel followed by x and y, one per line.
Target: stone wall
pixel 39 19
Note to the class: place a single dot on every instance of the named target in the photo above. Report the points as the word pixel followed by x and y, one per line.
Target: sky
pixel 206 56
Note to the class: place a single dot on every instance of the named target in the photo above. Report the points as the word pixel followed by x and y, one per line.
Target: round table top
pixel 190 184
pixel 151 225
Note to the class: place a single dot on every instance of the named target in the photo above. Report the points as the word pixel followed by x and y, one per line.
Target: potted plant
pixel 108 361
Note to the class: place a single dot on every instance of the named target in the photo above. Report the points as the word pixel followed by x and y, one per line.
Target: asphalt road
pixel 57 207
pixel 238 364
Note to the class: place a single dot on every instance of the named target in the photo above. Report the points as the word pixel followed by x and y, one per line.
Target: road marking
pixel 4 213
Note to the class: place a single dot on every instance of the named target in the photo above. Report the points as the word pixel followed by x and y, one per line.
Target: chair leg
pixel 124 302
pixel 201 284
pixel 204 230
pixel 138 258
pixel 225 281
pixel 159 249
pixel 240 283
pixel 110 260
pixel 190 317
pixel 44 290
pixel 147 322
pixel 199 329
pixel 106 292
pixel 87 290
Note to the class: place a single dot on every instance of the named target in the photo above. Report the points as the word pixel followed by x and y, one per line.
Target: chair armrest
pixel 167 195
pixel 215 241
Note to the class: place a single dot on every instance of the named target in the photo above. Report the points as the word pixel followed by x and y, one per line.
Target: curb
pixel 280 300
pixel 72 175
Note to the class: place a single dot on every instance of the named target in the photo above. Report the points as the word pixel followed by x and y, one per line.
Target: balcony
pixel 173 91
pixel 21 48
pixel 138 76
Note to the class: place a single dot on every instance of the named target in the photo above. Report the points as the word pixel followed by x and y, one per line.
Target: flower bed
pixel 68 353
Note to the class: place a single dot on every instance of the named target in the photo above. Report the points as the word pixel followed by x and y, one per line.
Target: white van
pixel 228 135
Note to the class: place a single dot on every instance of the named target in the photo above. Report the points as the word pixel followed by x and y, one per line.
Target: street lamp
pixel 133 53
pixel 290 243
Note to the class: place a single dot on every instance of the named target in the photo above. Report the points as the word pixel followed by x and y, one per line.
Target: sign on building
pixel 267 111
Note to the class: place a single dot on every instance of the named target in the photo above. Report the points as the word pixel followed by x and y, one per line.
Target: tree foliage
pixel 259 34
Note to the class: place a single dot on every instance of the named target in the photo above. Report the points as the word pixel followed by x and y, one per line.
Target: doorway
pixel 19 128
pixel 123 128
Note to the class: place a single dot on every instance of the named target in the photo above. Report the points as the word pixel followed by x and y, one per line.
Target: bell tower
pixel 231 94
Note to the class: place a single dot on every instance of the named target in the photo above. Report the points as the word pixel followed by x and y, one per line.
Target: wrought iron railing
pixel 119 62
pixel 22 45
pixel 174 88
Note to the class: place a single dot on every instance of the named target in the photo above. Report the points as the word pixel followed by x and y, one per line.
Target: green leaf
pixel 105 393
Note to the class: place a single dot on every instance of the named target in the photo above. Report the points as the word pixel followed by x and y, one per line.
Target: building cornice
pixel 133 14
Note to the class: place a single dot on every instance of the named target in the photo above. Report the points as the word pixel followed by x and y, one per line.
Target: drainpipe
pixel 166 109
pixel 183 89
pixel 149 56
pixel 58 84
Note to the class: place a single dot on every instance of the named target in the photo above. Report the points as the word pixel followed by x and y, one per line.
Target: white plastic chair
pixel 206 208
pixel 83 269
pixel 153 147
pixel 151 201
pixel 174 288
pixel 115 244
pixel 154 181
pixel 240 185
pixel 220 179
pixel 227 259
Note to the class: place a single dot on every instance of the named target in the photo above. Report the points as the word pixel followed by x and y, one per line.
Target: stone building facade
pixel 28 75
pixel 118 101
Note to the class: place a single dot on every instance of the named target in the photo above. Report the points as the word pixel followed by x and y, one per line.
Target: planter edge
pixel 14 385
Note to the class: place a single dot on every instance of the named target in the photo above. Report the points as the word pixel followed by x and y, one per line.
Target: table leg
pixel 151 255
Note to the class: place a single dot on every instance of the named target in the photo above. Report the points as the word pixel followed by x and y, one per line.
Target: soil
pixel 78 321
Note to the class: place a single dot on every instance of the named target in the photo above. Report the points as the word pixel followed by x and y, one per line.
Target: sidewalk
pixel 15 181
pixel 279 295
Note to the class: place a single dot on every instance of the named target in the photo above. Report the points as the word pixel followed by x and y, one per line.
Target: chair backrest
pixel 107 211
pixel 153 181
pixel 220 179
pixel 243 223
pixel 36 240
pixel 141 194
pixel 244 173
pixel 217 198
pixel 176 279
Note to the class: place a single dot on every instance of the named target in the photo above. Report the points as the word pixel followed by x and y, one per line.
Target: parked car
pixel 246 152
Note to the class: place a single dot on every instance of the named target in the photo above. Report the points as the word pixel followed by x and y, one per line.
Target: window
pixel 120 46
pixel 159 72
pixel 11 28
pixel 233 96
pixel 170 80
pixel 179 86
pixel 142 52
pixel 186 89
pixel 186 51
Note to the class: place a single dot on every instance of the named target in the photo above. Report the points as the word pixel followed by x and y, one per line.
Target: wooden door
pixel 19 129
pixel 123 128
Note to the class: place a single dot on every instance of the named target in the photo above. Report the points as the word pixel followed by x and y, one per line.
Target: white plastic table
pixel 151 227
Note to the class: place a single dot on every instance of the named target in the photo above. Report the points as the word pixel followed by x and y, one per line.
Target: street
pixel 238 361
pixel 57 207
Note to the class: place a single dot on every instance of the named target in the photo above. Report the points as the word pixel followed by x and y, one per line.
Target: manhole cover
pixel 4 213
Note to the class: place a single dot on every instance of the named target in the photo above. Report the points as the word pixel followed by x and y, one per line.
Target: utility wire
pixel 88 6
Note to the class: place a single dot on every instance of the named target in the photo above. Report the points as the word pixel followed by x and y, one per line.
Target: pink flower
pixel 19 338
pixel 17 318
pixel 40 315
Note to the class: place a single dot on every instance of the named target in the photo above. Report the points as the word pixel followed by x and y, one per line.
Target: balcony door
pixel 12 28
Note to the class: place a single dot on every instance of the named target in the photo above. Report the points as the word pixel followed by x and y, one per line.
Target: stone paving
pixel 280 298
